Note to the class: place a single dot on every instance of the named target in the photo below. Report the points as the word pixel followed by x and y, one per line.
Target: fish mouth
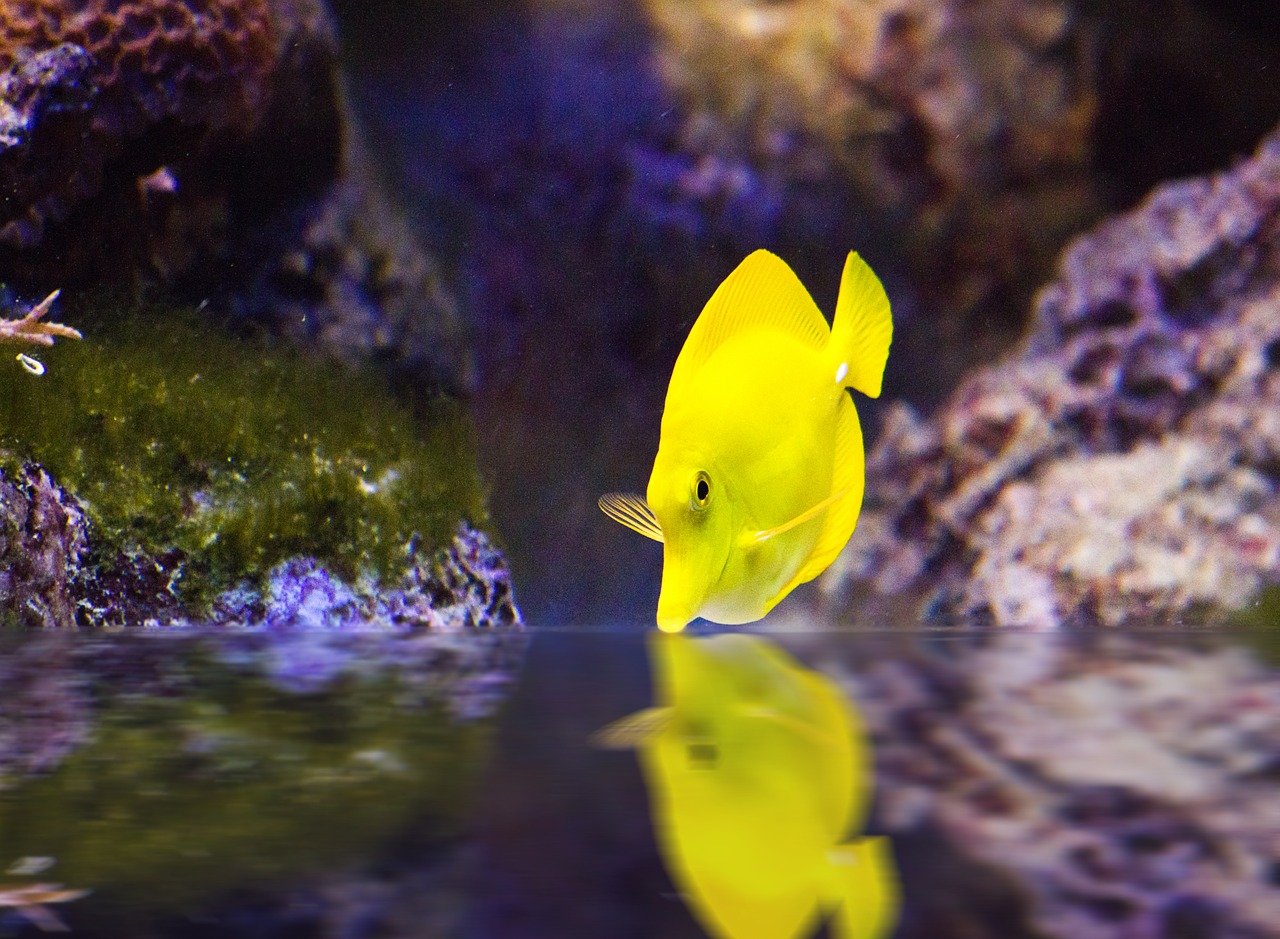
pixel 672 623
pixel 673 616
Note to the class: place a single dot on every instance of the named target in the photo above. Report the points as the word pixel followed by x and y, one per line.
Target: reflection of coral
pixel 1125 465
pixel 1115 787
pixel 32 901
pixel 971 120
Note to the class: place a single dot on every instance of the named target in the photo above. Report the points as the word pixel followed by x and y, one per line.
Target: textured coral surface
pixel 42 540
pixel 102 72
pixel 1124 463
pixel 970 123
pixel 205 145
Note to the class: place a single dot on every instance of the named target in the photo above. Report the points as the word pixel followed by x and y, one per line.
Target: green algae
pixel 236 452
pixel 1256 626
pixel 239 786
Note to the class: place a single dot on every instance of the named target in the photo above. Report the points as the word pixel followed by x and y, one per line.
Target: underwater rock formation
pixel 1123 464
pixel 206 144
pixel 199 460
pixel 42 539
pixel 968 123
pixel 1058 787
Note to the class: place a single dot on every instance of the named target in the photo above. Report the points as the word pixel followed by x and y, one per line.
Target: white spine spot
pixel 34 366
pixel 841 372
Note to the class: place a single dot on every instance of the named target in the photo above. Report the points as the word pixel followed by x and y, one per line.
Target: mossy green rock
pixel 237 453
pixel 236 785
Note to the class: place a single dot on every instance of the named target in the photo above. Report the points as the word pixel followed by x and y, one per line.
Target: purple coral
pixel 1123 464
pixel 42 536
pixel 451 629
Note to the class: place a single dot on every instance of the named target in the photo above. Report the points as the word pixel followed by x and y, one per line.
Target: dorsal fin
pixel 761 291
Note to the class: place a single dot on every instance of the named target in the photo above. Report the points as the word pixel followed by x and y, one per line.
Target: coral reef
pixel 1099 787
pixel 1123 464
pixel 29 330
pixel 206 145
pixel 72 73
pixel 219 458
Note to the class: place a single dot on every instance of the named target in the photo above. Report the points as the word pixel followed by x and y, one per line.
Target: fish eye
pixel 701 489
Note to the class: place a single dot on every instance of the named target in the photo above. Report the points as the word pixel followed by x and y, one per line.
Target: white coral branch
pixel 30 330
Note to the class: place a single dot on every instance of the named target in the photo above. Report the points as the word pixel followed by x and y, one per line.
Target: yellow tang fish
pixel 758 772
pixel 759 475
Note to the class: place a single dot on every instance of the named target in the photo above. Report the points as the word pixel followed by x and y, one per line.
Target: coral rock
pixel 1123 464
pixel 968 123
pixel 207 145
pixel 73 73
pixel 42 537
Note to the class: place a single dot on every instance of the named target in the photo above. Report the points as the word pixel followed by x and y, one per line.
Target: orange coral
pixel 183 45
pixel 89 82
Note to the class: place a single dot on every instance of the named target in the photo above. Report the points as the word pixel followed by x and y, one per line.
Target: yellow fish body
pixel 758 772
pixel 759 475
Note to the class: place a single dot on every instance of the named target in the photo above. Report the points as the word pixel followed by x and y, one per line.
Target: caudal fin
pixel 863 328
pixel 865 884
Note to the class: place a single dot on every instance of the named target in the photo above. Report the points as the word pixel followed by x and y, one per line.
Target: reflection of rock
pixel 207 145
pixel 166 766
pixel 1123 464
pixel 1104 788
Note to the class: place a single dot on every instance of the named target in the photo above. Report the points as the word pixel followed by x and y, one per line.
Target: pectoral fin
pixel 633 511
pixel 633 731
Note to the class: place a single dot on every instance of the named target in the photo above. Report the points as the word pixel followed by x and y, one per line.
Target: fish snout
pixel 672 622
pixel 675 608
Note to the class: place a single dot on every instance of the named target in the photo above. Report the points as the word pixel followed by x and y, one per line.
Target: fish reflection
pixel 758 480
pixel 758 772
